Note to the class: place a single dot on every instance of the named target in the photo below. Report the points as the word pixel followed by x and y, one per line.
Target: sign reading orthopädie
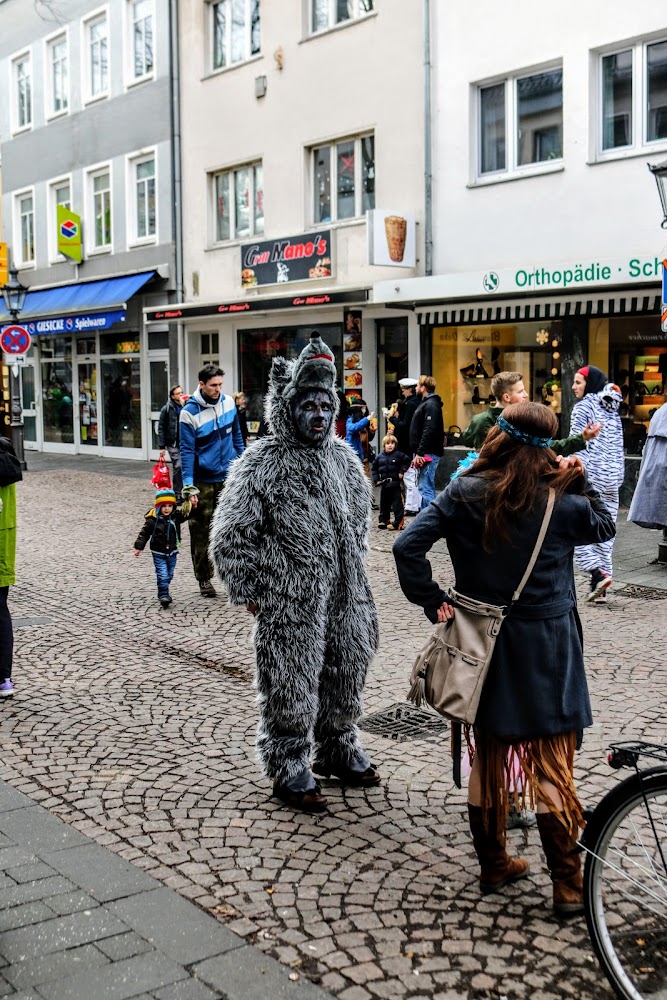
pixel 294 258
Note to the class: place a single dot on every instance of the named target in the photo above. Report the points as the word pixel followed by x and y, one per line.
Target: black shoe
pixel 347 776
pixel 206 589
pixel 382 525
pixel 165 601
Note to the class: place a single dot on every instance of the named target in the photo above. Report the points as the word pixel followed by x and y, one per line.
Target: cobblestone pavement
pixel 136 726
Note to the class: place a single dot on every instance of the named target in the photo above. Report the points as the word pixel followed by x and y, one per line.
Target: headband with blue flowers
pixel 521 436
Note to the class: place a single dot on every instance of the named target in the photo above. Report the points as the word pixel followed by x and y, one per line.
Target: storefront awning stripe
pixel 470 313
pixel 86 297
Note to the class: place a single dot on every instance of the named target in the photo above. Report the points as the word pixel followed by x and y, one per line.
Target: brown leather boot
pixel 497 868
pixel 564 864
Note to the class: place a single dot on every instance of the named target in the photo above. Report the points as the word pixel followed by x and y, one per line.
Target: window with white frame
pixel 25 227
pixel 22 73
pixel 235 31
pixel 144 220
pixel 60 193
pixel 97 56
pixel 633 96
pixel 343 178
pixel 100 208
pixel 238 203
pixel 327 13
pixel 141 37
pixel 520 122
pixel 58 75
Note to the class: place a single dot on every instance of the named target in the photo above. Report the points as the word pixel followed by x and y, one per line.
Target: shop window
pixel 343 179
pixel 326 14
pixel 158 340
pixel 520 123
pixel 235 31
pixel 632 97
pixel 22 80
pixel 638 356
pixel 120 343
pixel 57 399
pixel 58 75
pixel 258 348
pixel 121 380
pixel 238 203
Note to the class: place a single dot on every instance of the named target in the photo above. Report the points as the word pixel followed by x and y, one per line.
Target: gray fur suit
pixel 290 534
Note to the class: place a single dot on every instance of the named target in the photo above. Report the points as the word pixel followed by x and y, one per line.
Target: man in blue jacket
pixel 210 439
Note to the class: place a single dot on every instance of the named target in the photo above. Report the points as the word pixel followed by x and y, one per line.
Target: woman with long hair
pixel 535 699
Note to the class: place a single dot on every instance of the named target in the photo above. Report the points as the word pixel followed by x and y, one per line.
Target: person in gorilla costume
pixel 288 539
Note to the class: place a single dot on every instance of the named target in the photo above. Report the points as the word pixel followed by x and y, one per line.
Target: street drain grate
pixel 404 722
pixel 20 622
pixel 641 593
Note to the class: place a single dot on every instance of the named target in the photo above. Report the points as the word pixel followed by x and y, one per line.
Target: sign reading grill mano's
pixel 572 276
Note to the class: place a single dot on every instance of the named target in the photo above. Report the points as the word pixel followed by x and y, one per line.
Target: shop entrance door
pixel 57 404
pixel 32 425
pixel 88 406
pixel 158 380
pixel 392 355
pixel 121 382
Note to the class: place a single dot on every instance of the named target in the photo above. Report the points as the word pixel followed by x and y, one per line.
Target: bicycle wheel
pixel 625 886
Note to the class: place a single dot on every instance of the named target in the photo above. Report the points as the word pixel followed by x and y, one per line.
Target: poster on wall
pixel 391 238
pixel 352 353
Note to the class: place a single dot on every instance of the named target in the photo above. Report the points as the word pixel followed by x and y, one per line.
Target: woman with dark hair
pixel 535 699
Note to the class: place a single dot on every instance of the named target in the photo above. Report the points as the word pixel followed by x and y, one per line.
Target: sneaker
pixel 601 598
pixel 520 819
pixel 600 581
pixel 206 589
pixel 6 689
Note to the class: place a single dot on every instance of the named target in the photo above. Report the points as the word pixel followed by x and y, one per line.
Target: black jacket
pixel 389 465
pixel 163 533
pixel 243 424
pixel 406 411
pixel 427 431
pixel 167 428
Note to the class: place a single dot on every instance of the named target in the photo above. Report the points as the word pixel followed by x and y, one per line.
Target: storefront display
pixel 638 353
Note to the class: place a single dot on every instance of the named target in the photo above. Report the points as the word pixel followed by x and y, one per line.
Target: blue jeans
pixel 165 564
pixel 426 481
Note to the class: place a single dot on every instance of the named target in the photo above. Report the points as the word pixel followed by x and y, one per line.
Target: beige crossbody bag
pixel 450 670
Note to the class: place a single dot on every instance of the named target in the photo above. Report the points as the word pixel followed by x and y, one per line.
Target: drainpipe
pixel 177 213
pixel 428 173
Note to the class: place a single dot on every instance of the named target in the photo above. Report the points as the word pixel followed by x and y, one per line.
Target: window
pixel 141 29
pixel 143 173
pixel 343 179
pixel 235 31
pixel 58 75
pixel 25 227
pixel 327 13
pixel 238 197
pixel 520 122
pixel 100 202
pixel 23 91
pixel 59 194
pixel 633 97
pixel 97 45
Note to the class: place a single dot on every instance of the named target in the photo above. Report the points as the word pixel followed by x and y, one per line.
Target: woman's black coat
pixel 536 685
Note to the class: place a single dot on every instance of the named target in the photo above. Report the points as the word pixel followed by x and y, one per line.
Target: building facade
pixel 548 250
pixel 303 124
pixel 88 128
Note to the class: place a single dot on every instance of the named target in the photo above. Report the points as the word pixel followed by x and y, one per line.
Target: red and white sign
pixel 15 341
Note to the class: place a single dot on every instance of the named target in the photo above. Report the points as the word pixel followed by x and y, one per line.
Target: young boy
pixel 162 528
pixel 388 470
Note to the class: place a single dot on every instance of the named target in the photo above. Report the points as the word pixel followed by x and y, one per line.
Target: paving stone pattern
pixel 136 726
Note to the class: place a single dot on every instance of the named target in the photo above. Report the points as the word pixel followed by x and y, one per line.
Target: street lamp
pixel 659 171
pixel 14 294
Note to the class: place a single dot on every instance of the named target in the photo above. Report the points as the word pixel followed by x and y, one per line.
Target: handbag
pixel 161 479
pixel 450 670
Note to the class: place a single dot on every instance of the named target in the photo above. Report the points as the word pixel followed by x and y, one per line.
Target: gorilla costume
pixel 288 539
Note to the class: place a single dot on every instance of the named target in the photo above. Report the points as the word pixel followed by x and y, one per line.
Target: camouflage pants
pixel 200 526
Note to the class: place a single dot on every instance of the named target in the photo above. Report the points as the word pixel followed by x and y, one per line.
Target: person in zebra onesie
pixel 598 400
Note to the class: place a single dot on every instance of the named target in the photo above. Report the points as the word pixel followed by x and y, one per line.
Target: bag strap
pixel 551 499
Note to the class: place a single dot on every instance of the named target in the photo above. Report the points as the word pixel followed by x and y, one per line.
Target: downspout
pixel 177 212
pixel 428 170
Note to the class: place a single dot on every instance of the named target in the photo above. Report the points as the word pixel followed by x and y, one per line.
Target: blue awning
pixel 109 294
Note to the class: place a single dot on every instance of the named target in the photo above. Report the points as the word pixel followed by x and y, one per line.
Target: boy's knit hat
pixel 164 496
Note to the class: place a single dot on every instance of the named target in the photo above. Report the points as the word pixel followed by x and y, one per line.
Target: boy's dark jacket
pixel 388 465
pixel 164 533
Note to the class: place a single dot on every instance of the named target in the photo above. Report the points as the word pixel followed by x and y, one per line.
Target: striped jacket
pixel 604 457
pixel 210 439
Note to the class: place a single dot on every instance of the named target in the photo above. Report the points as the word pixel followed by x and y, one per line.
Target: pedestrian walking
pixel 10 474
pixel 388 470
pixel 210 440
pixel 162 531
pixel 239 399
pixel 649 501
pixel 168 435
pixel 535 698
pixel 427 437
pixel 289 539
pixel 360 430
pixel 598 402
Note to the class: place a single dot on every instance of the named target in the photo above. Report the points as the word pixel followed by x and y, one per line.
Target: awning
pixel 108 296
pixel 519 310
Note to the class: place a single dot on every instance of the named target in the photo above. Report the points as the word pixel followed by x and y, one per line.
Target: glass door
pixel 57 405
pixel 158 380
pixel 87 403
pixel 32 426
pixel 121 389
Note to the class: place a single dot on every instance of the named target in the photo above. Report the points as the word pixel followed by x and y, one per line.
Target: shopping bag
pixel 161 479
pixel 413 498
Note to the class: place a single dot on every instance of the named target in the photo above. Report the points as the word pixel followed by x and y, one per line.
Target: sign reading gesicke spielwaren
pixel 294 258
